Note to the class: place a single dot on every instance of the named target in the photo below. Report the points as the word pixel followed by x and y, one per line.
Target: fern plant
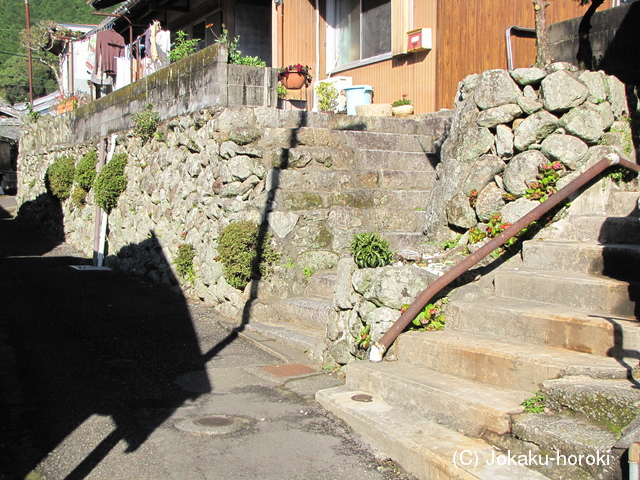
pixel 370 250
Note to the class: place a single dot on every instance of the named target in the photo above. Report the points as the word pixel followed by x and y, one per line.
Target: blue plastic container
pixel 358 95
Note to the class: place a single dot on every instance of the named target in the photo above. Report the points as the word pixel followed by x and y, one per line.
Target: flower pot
pixel 293 81
pixel 65 107
pixel 402 110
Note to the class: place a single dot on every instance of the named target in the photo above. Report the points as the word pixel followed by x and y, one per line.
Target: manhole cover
pixel 214 424
pixel 217 421
pixel 362 397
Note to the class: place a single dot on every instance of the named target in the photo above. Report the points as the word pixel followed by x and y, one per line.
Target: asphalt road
pixel 104 377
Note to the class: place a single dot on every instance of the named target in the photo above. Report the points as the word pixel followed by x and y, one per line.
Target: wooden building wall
pixel 469 37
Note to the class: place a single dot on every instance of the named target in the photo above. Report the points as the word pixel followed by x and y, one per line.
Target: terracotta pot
pixel 402 110
pixel 294 81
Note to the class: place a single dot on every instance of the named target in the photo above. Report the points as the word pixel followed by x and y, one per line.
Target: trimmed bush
pixel 111 182
pixel 59 177
pixel 86 170
pixel 242 257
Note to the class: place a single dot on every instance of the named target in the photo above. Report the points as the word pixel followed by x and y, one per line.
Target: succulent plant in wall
pixel 370 250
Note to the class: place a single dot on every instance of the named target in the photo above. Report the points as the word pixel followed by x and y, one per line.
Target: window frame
pixel 331 42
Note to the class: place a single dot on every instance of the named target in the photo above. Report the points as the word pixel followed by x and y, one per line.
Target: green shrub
pixel 59 177
pixel 111 182
pixel 146 123
pixel 79 196
pixel 370 250
pixel 182 47
pixel 86 170
pixel 242 257
pixel 327 96
pixel 184 262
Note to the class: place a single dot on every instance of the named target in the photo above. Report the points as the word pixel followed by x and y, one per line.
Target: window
pixel 359 32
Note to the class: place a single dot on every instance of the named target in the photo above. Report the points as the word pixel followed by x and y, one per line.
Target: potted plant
pixel 285 103
pixel 327 96
pixel 402 107
pixel 294 77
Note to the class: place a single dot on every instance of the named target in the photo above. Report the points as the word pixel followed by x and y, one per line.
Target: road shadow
pixel 79 344
pixel 83 343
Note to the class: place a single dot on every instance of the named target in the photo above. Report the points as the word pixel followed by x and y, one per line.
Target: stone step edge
pixel 529 307
pixel 472 407
pixel 423 448
pixel 305 341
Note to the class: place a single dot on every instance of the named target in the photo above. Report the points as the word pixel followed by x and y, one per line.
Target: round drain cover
pixel 215 421
pixel 362 397
pixel 214 424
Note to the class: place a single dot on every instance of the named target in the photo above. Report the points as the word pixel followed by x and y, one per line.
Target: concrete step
pixel 540 323
pixel 356 139
pixel 594 228
pixel 465 405
pixel 608 202
pixel 609 403
pixel 435 123
pixel 613 260
pixel 310 312
pixel 503 362
pixel 567 439
pixel 401 240
pixel 328 180
pixel 356 198
pixel 359 159
pixel 602 295
pixel 421 447
pixel 376 218
pixel 322 285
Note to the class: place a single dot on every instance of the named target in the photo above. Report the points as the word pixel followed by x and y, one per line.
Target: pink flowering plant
pixel 545 184
pixel 430 317
pixel 296 68
pixel 403 101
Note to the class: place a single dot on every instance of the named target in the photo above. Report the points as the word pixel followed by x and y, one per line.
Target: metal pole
pixel 26 6
pixel 98 220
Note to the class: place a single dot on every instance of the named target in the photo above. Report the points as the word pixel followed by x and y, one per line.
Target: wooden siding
pixel 471 38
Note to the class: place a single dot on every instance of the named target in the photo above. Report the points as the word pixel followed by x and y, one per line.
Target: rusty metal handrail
pixel 378 350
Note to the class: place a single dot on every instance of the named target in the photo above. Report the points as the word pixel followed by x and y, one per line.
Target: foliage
pixel 235 55
pixel 430 317
pixel 86 170
pixel 282 91
pixel 327 96
pixel 184 262
pixel 245 253
pixel 146 123
pixel 370 250
pixel 364 338
pixel 534 404
pixel 307 272
pixel 111 182
pixel 473 198
pixel 449 244
pixel 476 235
pixel 545 185
pixel 79 196
pixel 403 101
pixel 33 115
pixel 182 47
pixel 296 68
pixel 59 177
pixel 621 174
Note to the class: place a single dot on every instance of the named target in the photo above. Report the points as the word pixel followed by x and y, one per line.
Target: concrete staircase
pixel 563 320
pixel 345 175
pixel 356 177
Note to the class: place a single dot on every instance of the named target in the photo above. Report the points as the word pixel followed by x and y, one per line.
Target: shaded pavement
pixel 104 377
